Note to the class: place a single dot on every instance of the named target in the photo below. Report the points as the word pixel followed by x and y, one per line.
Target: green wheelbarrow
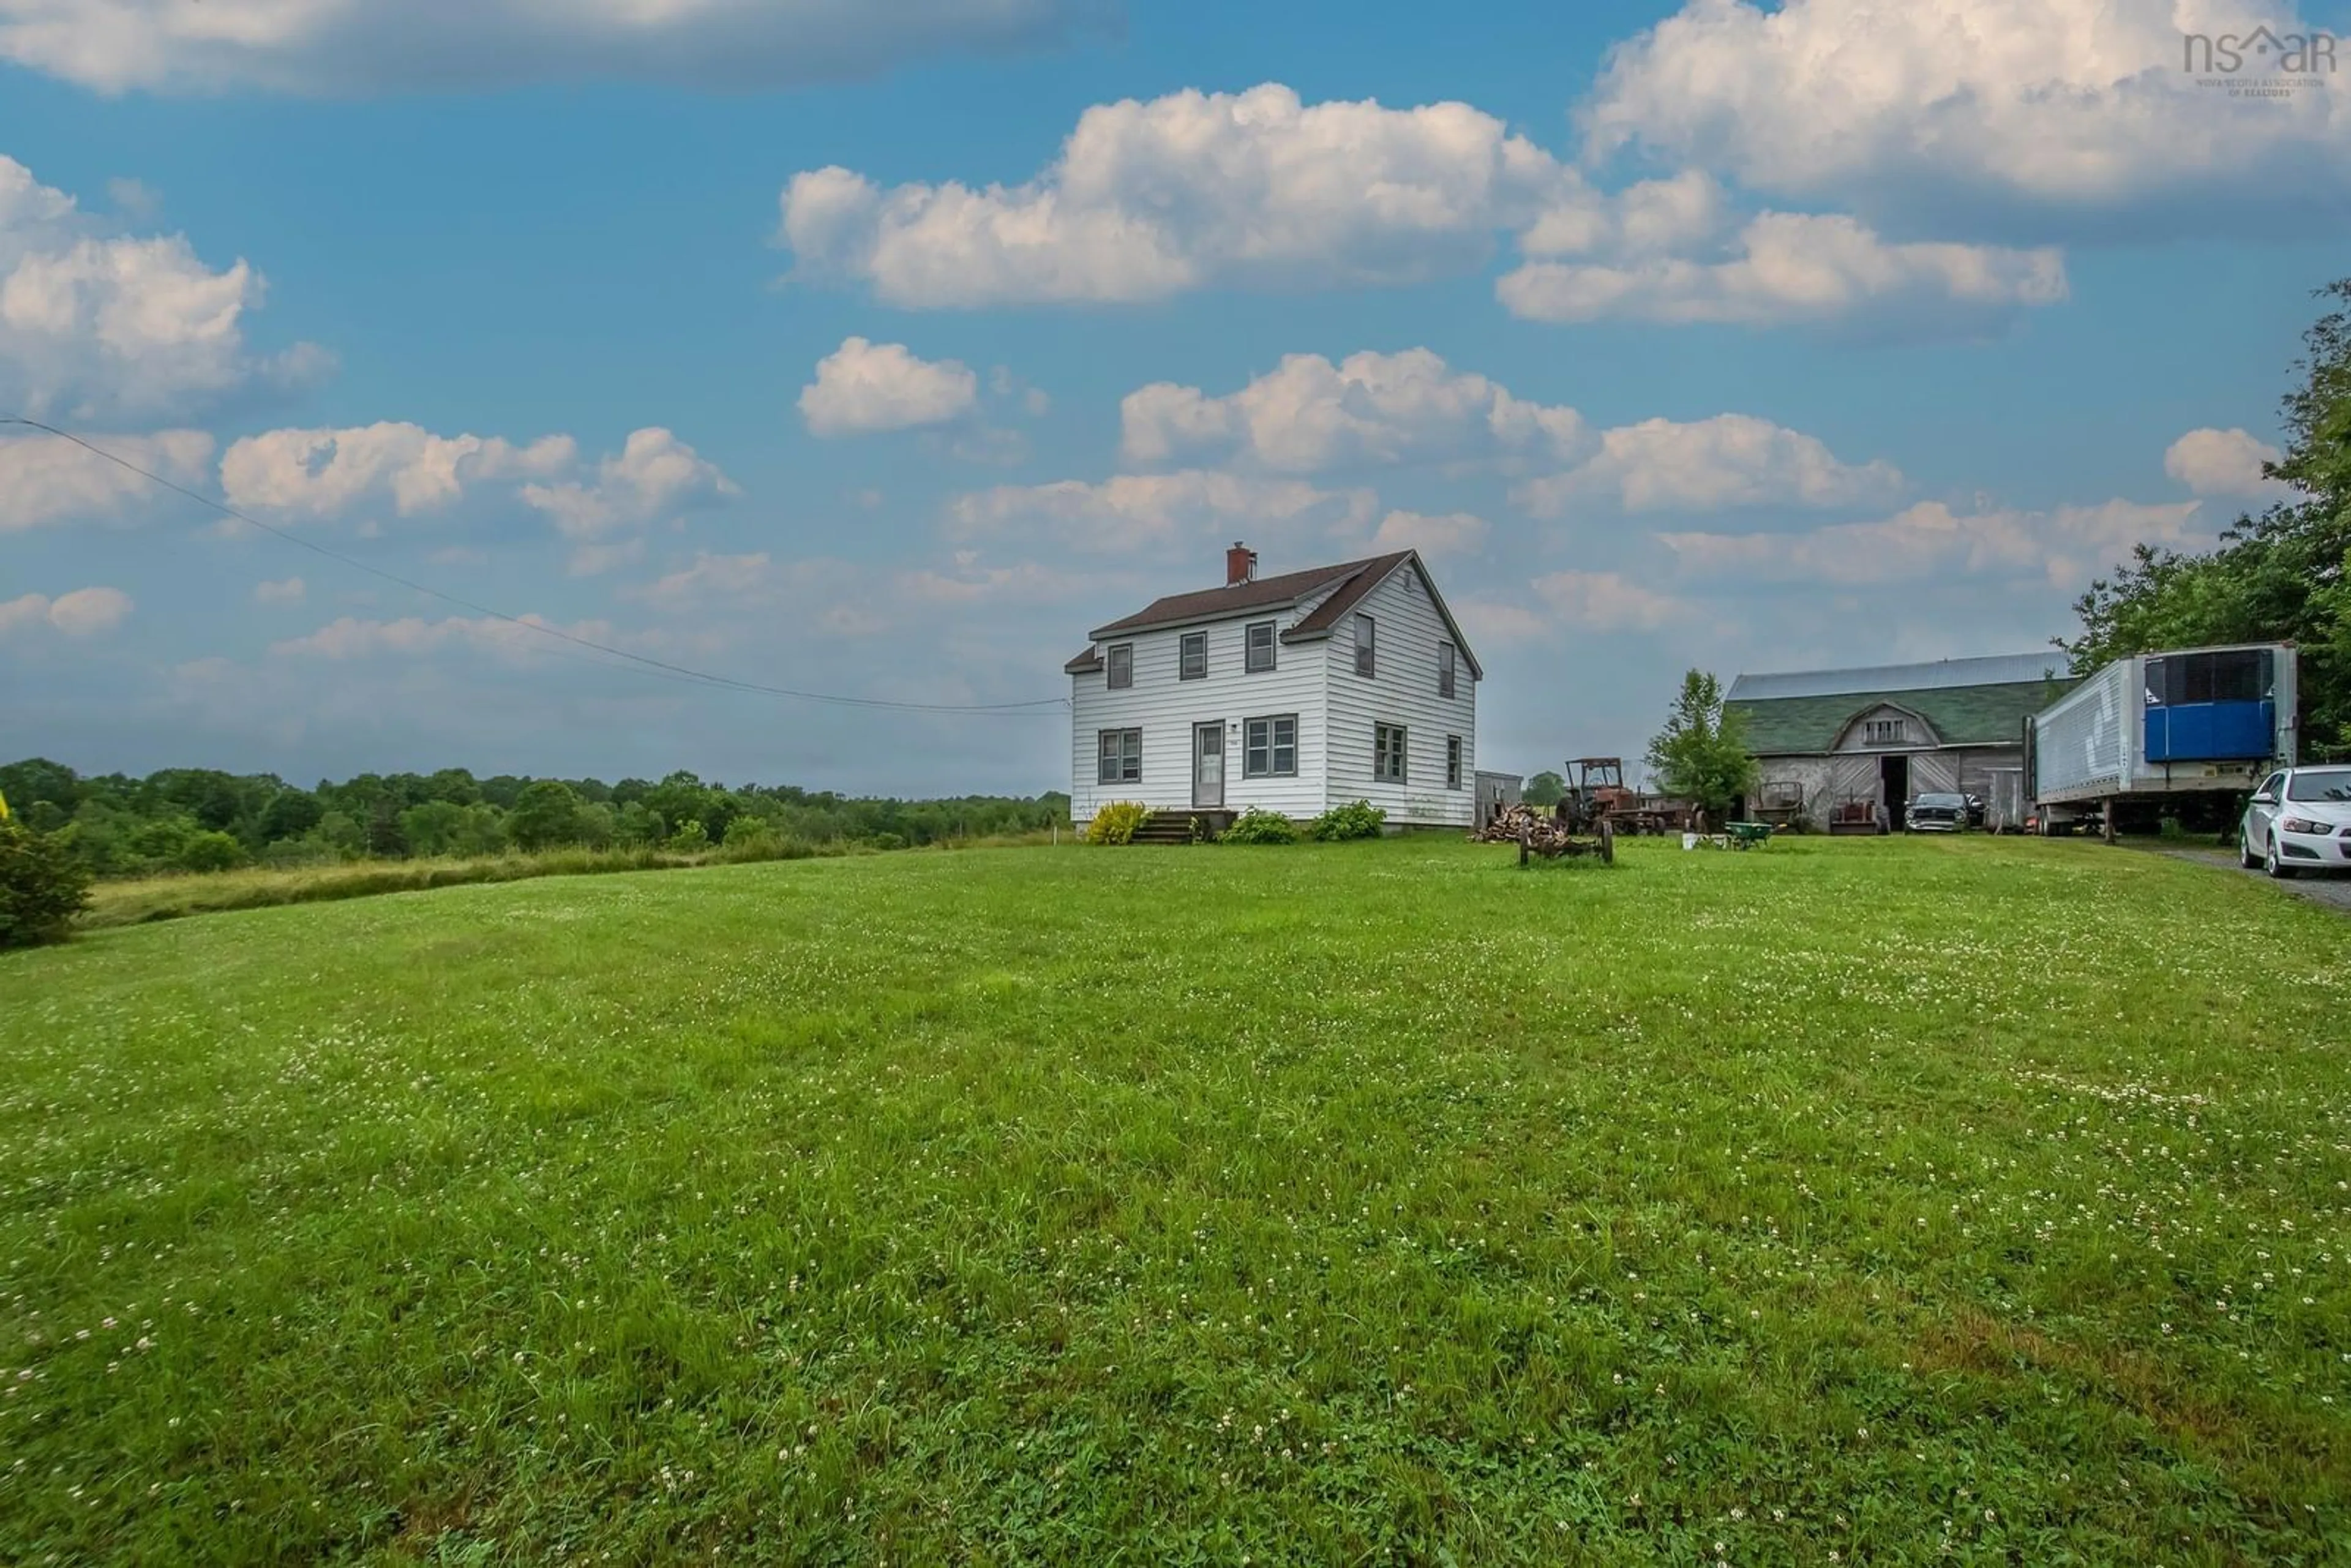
pixel 1747 835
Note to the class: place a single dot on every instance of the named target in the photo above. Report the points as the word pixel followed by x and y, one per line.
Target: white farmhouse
pixel 1294 692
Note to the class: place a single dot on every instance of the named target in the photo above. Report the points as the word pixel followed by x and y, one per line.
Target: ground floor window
pixel 1121 757
pixel 1270 746
pixel 1387 752
pixel 1453 762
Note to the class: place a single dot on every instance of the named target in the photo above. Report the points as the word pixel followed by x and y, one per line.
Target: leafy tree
pixel 382 832
pixel 215 800
pixel 43 886
pixel 482 831
pixel 747 832
pixel 638 826
pixel 161 841
pixel 289 814
pixel 545 813
pixel 1701 753
pixel 596 826
pixel 210 850
pixel 503 791
pixel 1544 789
pixel 36 781
pixel 336 834
pixel 432 828
pixel 2284 575
pixel 454 785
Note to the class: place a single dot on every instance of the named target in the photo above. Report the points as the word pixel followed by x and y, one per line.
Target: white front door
pixel 1208 766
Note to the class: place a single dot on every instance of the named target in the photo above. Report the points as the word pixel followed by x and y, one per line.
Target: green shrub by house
pixel 1361 820
pixel 1115 823
pixel 1258 826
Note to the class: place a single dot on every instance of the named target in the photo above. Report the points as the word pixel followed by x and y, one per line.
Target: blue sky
pixel 1749 339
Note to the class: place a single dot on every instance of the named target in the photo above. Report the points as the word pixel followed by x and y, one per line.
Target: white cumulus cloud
pixel 96 325
pixel 1181 513
pixel 1790 267
pixel 348 637
pixel 84 613
pixel 1259 189
pixel 1148 200
pixel 862 387
pixel 1432 534
pixel 339 47
pixel 2068 113
pixel 1308 415
pixel 286 590
pixel 2062 546
pixel 325 473
pixel 653 476
pixel 1605 602
pixel 1729 460
pixel 47 479
pixel 2222 463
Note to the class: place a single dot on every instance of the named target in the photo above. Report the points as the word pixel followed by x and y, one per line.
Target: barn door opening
pixel 1893 786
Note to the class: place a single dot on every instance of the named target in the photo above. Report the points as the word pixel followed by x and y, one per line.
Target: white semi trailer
pixel 2185 732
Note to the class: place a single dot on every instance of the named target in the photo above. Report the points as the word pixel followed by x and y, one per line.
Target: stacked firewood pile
pixel 1537 831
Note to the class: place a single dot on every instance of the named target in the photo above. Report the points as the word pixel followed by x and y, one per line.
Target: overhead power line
pixel 645 662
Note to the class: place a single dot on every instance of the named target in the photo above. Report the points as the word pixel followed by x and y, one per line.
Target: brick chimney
pixel 1240 565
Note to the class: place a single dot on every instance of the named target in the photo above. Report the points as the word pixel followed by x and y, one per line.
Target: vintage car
pixel 1936 813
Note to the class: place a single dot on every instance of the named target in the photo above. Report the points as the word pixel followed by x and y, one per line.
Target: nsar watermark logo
pixel 2263 63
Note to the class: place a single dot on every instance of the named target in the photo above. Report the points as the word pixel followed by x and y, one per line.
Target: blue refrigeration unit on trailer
pixel 2185 731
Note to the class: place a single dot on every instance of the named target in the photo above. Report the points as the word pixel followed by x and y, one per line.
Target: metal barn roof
pixel 1992 714
pixel 1997 670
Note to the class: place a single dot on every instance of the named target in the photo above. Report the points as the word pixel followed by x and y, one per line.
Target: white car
pixel 2299 819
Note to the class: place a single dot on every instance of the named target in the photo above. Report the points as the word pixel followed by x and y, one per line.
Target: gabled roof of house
pixel 1345 583
pixel 1258 593
pixel 1989 713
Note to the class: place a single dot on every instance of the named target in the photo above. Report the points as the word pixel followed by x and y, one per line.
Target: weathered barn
pixel 1854 746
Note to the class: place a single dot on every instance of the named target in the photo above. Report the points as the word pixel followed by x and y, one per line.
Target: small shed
pixel 1496 790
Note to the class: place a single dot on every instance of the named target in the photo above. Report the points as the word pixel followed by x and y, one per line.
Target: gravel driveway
pixel 2335 888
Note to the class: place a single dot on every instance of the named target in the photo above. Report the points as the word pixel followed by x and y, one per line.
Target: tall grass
pixel 134 901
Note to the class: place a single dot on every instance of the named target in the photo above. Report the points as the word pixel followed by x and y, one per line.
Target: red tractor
pixel 1597 792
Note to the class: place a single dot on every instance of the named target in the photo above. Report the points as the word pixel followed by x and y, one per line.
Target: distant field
pixel 1353 1203
pixel 132 900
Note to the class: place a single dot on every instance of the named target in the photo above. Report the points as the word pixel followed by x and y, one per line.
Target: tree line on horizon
pixel 201 819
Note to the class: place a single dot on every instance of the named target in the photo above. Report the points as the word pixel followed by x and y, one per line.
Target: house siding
pixel 1166 709
pixel 1403 690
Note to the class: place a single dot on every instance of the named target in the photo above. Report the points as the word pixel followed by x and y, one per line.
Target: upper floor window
pixel 1260 645
pixel 1885 732
pixel 1364 646
pixel 1122 664
pixel 1192 657
pixel 1446 657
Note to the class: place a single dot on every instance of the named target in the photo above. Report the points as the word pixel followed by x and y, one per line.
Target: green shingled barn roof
pixel 1962 716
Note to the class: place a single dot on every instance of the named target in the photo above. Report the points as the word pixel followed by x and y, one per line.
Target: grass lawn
pixel 1358 1203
